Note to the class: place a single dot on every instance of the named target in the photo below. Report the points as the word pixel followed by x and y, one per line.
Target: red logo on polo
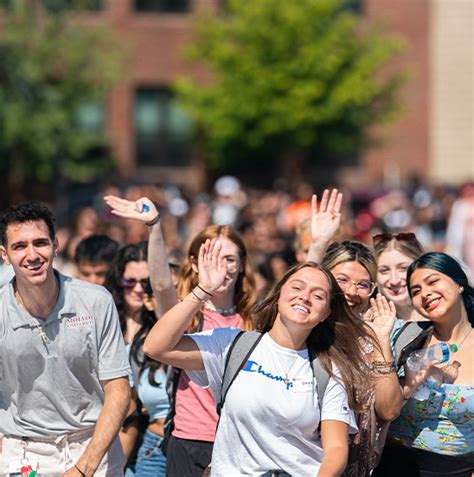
pixel 79 321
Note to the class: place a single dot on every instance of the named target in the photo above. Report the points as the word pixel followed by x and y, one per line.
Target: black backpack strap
pixel 321 376
pixel 412 336
pixel 240 350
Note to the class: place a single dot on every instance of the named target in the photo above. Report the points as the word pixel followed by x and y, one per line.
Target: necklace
pixel 38 326
pixel 287 378
pixel 222 311
pixel 464 339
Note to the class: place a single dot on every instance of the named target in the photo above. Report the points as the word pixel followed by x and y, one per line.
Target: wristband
pixel 200 300
pixel 80 471
pixel 153 221
pixel 204 290
pixel 198 293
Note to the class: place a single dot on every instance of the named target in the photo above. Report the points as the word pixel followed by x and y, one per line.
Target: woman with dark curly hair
pixel 128 281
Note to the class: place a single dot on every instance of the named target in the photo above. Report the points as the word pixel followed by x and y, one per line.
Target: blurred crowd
pixel 442 217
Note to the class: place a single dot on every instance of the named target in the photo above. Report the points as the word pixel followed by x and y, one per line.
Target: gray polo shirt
pixel 51 385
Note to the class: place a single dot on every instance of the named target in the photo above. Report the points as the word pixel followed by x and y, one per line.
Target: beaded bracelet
pixel 383 367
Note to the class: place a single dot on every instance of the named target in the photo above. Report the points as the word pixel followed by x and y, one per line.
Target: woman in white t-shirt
pixel 271 419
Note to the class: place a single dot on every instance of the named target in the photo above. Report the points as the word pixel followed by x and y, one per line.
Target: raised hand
pixel 142 209
pixel 212 270
pixel 326 220
pixel 381 315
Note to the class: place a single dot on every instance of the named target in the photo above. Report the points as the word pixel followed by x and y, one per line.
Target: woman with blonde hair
pixel 354 268
pixel 394 254
pixel 190 445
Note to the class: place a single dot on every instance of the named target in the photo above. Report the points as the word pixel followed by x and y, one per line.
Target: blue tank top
pixel 154 398
pixel 442 423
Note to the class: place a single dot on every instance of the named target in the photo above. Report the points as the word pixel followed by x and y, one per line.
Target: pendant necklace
pixel 34 324
pixel 287 378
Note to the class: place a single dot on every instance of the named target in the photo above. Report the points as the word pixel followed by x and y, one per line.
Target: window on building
pixel 163 6
pixel 162 130
pixel 57 6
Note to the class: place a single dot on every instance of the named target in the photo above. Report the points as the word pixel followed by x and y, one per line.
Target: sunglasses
pixel 386 237
pixel 131 282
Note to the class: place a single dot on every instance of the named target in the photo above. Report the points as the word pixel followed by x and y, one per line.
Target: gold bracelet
pixel 376 362
pixel 383 367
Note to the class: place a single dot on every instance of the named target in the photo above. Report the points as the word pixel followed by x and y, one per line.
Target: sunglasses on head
pixel 386 237
pixel 131 282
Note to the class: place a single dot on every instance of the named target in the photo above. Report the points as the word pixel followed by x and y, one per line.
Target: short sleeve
pixel 336 406
pixel 213 345
pixel 113 358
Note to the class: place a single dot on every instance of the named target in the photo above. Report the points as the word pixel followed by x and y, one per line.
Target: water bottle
pixel 439 353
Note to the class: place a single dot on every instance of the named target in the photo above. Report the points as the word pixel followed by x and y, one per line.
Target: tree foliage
pixel 50 68
pixel 288 76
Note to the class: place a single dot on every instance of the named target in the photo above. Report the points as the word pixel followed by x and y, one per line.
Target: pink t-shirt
pixel 196 416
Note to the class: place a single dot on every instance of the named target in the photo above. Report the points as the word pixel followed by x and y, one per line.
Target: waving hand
pixel 142 209
pixel 212 270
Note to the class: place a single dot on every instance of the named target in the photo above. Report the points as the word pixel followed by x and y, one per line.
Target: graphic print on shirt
pixel 251 366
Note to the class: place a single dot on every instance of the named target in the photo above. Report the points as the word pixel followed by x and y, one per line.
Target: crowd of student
pixel 336 320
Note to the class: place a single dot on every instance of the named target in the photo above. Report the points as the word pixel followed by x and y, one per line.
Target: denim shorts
pixel 151 462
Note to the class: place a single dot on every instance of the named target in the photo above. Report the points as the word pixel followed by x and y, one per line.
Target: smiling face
pixel 434 295
pixel 133 296
pixel 391 276
pixel 354 280
pixel 30 251
pixel 305 298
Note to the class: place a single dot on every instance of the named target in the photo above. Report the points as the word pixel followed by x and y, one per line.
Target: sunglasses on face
pixel 364 287
pixel 131 282
pixel 386 237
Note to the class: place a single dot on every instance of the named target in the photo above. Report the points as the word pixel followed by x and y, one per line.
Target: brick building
pixel 433 138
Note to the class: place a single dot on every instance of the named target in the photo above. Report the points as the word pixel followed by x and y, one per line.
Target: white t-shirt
pixel 271 416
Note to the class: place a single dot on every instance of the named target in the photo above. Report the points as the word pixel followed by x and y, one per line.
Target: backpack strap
pixel 411 336
pixel 321 376
pixel 240 350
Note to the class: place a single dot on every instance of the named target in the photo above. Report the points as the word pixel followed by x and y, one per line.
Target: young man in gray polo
pixel 64 389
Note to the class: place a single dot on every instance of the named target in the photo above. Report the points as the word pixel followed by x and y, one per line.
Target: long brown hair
pixel 245 291
pixel 337 340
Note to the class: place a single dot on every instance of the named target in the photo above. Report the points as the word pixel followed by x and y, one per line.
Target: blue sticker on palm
pixel 145 208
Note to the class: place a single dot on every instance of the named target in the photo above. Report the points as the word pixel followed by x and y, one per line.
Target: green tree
pixel 51 68
pixel 290 78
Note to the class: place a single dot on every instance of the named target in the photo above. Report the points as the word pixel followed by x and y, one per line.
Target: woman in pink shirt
pixel 190 446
